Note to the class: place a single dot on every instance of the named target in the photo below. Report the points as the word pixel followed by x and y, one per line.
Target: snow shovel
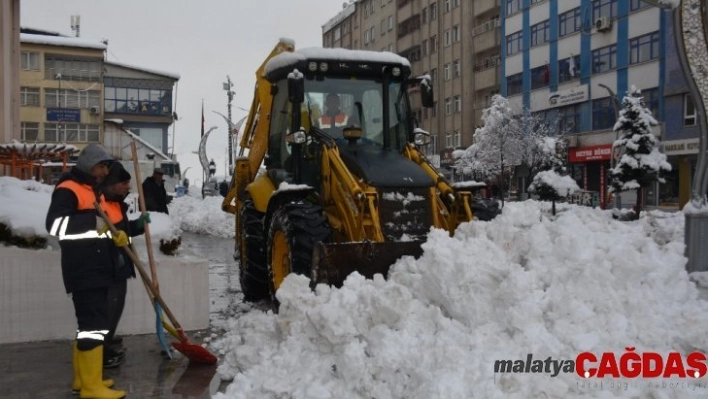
pixel 151 259
pixel 194 352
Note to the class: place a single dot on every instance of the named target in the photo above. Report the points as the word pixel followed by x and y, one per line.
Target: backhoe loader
pixel 325 194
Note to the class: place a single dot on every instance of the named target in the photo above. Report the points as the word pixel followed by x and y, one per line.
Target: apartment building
pixel 572 61
pixel 9 72
pixel 456 42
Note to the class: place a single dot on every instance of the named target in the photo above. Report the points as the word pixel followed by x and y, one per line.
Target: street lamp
pixel 230 93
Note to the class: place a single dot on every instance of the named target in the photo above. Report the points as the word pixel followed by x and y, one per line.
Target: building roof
pixel 172 75
pixel 119 124
pixel 347 11
pixel 37 31
pixel 61 41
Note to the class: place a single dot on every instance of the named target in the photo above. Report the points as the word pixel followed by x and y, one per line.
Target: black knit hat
pixel 116 174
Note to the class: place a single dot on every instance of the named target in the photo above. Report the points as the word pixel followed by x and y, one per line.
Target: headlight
pixel 422 139
pixel 396 71
pixel 324 67
pixel 298 137
pixel 312 66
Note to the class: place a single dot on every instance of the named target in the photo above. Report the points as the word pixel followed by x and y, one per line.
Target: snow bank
pixel 202 216
pixel 24 205
pixel 498 290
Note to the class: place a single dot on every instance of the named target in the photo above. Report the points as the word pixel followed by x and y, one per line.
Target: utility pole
pixel 230 93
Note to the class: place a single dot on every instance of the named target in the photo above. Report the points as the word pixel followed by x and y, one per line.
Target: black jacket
pixel 155 196
pixel 87 260
pixel 125 268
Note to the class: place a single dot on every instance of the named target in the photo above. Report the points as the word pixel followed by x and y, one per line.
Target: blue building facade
pixel 572 61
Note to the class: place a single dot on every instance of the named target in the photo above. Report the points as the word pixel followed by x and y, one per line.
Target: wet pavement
pixel 43 369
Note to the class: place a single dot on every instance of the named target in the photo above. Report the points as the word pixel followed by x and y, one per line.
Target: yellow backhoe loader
pixel 331 178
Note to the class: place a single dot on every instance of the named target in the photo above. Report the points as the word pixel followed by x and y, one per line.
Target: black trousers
pixel 92 316
pixel 116 303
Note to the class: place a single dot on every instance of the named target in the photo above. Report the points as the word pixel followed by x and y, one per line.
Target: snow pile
pixel 24 205
pixel 563 185
pixel 202 216
pixel 499 290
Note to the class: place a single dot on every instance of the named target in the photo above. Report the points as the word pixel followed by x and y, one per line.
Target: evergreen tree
pixel 641 163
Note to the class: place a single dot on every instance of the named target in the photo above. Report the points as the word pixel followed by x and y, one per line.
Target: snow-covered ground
pixel 525 283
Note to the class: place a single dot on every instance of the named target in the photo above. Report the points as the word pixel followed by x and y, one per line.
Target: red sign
pixel 592 153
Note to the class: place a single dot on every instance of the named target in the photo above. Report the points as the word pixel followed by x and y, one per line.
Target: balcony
pixel 484 6
pixel 487 39
pixel 487 78
pixel 485 27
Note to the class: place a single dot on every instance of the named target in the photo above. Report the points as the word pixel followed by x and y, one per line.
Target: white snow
pixel 461 185
pixel 154 71
pixel 61 41
pixel 499 290
pixel 335 54
pixel 563 185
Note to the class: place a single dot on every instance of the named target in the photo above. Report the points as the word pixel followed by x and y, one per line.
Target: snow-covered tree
pixel 549 185
pixel 541 147
pixel 641 163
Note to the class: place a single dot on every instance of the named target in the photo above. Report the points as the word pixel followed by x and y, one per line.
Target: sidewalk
pixel 43 370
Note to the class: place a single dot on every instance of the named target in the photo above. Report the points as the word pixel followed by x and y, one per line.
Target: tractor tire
pixel 294 231
pixel 253 272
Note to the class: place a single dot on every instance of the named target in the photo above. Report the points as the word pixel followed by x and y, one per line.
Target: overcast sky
pixel 202 41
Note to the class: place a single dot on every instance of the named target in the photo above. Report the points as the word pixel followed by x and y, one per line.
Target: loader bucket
pixel 332 263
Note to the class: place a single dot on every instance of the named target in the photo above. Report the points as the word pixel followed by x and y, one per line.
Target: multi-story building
pixel 9 62
pixel 61 86
pixel 451 40
pixel 142 99
pixel 572 61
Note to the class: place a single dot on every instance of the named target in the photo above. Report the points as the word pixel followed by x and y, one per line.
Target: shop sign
pixel 63 115
pixel 566 97
pixel 680 147
pixel 592 153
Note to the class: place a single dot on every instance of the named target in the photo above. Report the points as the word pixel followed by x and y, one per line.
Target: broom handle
pixel 141 268
pixel 141 201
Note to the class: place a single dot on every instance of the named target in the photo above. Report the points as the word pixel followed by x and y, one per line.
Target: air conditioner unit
pixel 603 24
pixel 95 110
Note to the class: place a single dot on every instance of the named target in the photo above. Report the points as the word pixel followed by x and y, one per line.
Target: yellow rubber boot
pixel 91 372
pixel 76 385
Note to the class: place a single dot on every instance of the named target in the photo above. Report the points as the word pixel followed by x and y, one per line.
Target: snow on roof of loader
pixel 283 60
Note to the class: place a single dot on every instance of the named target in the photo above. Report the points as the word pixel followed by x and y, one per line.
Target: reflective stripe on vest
pixel 85 197
pixel 98 335
pixel 340 120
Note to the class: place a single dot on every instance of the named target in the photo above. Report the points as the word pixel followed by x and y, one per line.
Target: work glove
pixel 101 226
pixel 144 218
pixel 120 238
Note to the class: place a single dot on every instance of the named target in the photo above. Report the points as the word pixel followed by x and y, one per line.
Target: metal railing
pixel 485 27
pixel 487 64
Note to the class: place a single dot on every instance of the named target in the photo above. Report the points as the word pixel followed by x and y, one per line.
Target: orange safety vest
pixel 86 198
pixel 340 120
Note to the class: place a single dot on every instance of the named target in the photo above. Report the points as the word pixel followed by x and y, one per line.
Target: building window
pixel 433 44
pixel 383 27
pixel 81 69
pixel 29 96
pixel 603 114
pixel 71 133
pixel 433 146
pixel 449 143
pixel 446 71
pixel 55 98
pixel 514 84
pixel 448 106
pixel 604 59
pixel 390 48
pixel 512 6
pixel 651 101
pixel 644 48
pixel 569 119
pixel 457 139
pixel 689 111
pixel 540 77
pixel 456 33
pixel 434 75
pixel 29 131
pixel 434 110
pixel 447 38
pixel 390 23
pixel 29 61
pixel 129 100
pixel 447 5
pixel 424 15
pixel 425 47
pixel 457 103
pixel 337 33
pixel 433 11
pixel 456 69
pixel 513 43
pixel 604 8
pixel 540 33
pixel 568 69
pixel 635 5
pixel 570 22
pixel 455 3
